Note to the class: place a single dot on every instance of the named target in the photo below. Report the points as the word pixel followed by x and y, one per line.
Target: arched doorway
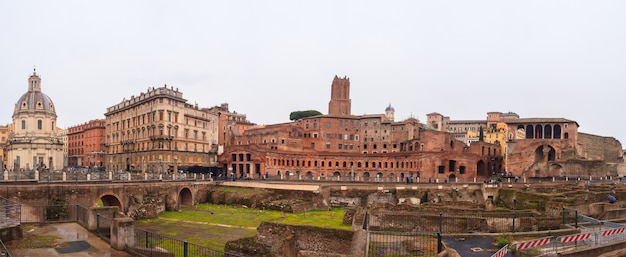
pixel 545 153
pixel 452 178
pixel 555 170
pixel 481 169
pixel 366 176
pixel 185 197
pixel 309 176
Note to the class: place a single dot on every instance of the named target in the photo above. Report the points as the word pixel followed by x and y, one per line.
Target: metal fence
pixel 383 243
pixel 148 243
pixel 48 213
pixel 465 222
pixel 4 252
pixel 9 213
pixel 57 176
pixel 103 227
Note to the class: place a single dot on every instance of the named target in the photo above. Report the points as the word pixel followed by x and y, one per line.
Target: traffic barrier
pixel 589 219
pixel 611 232
pixel 574 238
pixel 613 224
pixel 533 243
pixel 502 252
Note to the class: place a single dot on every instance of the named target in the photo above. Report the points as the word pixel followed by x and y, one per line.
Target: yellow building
pixel 4 136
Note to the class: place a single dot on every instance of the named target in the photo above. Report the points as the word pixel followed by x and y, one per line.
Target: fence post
pixel 576 217
pixel 98 223
pixel 185 249
pixel 513 228
pixel 439 243
pixel 563 214
pixel 440 222
pixel 365 221
pixel 147 245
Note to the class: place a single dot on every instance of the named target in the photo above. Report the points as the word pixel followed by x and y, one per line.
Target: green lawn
pixel 213 225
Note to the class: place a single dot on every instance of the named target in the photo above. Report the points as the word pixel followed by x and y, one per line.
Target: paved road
pixel 74 241
pixel 477 246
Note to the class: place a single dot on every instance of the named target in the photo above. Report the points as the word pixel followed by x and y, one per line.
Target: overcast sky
pixel 539 59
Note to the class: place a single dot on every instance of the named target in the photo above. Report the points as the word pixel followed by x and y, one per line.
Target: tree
pixel 296 115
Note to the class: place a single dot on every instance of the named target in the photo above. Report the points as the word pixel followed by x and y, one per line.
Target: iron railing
pixel 148 243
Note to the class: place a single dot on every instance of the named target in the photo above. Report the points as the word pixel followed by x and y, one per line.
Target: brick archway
pixel 110 199
pixel 185 196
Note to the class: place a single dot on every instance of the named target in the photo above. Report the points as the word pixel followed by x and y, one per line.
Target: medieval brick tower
pixel 340 102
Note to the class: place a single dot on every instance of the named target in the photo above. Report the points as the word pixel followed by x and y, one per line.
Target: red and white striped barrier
pixel 502 252
pixel 574 238
pixel 614 231
pixel 533 243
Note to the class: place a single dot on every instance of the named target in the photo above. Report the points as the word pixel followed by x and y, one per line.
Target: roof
pixel 539 120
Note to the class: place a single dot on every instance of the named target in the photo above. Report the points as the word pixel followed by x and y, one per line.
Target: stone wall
pixel 273 239
pixel 596 147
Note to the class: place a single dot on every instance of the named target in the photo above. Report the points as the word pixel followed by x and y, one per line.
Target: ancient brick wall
pixel 283 239
pixel 596 147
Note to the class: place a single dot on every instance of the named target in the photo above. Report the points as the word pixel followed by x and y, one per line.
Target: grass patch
pixel 213 225
pixel 33 241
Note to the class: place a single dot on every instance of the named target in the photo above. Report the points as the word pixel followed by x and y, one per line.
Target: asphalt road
pixel 477 246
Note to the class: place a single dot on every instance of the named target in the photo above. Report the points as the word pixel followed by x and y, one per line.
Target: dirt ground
pixel 57 240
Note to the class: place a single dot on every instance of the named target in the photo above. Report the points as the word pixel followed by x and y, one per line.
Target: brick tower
pixel 340 102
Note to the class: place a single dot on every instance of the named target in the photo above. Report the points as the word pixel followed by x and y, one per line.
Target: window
pixel 327 146
pixel 23 124
pixel 327 124
pixel 39 124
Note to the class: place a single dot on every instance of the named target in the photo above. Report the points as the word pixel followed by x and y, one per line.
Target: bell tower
pixel 340 103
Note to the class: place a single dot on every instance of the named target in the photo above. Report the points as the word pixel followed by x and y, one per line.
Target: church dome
pixel 34 99
pixel 389 108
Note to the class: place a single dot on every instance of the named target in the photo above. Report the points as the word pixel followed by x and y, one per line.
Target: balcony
pixel 128 142
pixel 161 137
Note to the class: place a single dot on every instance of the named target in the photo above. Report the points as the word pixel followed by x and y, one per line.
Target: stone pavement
pixel 73 241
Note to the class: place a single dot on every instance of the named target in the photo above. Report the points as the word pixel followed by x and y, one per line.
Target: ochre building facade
pixel 158 132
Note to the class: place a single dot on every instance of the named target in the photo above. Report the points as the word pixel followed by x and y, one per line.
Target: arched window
pixel 557 131
pixel 547 130
pixel 530 132
pixel 538 131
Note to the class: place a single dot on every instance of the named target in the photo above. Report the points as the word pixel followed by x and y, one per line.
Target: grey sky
pixel 564 59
